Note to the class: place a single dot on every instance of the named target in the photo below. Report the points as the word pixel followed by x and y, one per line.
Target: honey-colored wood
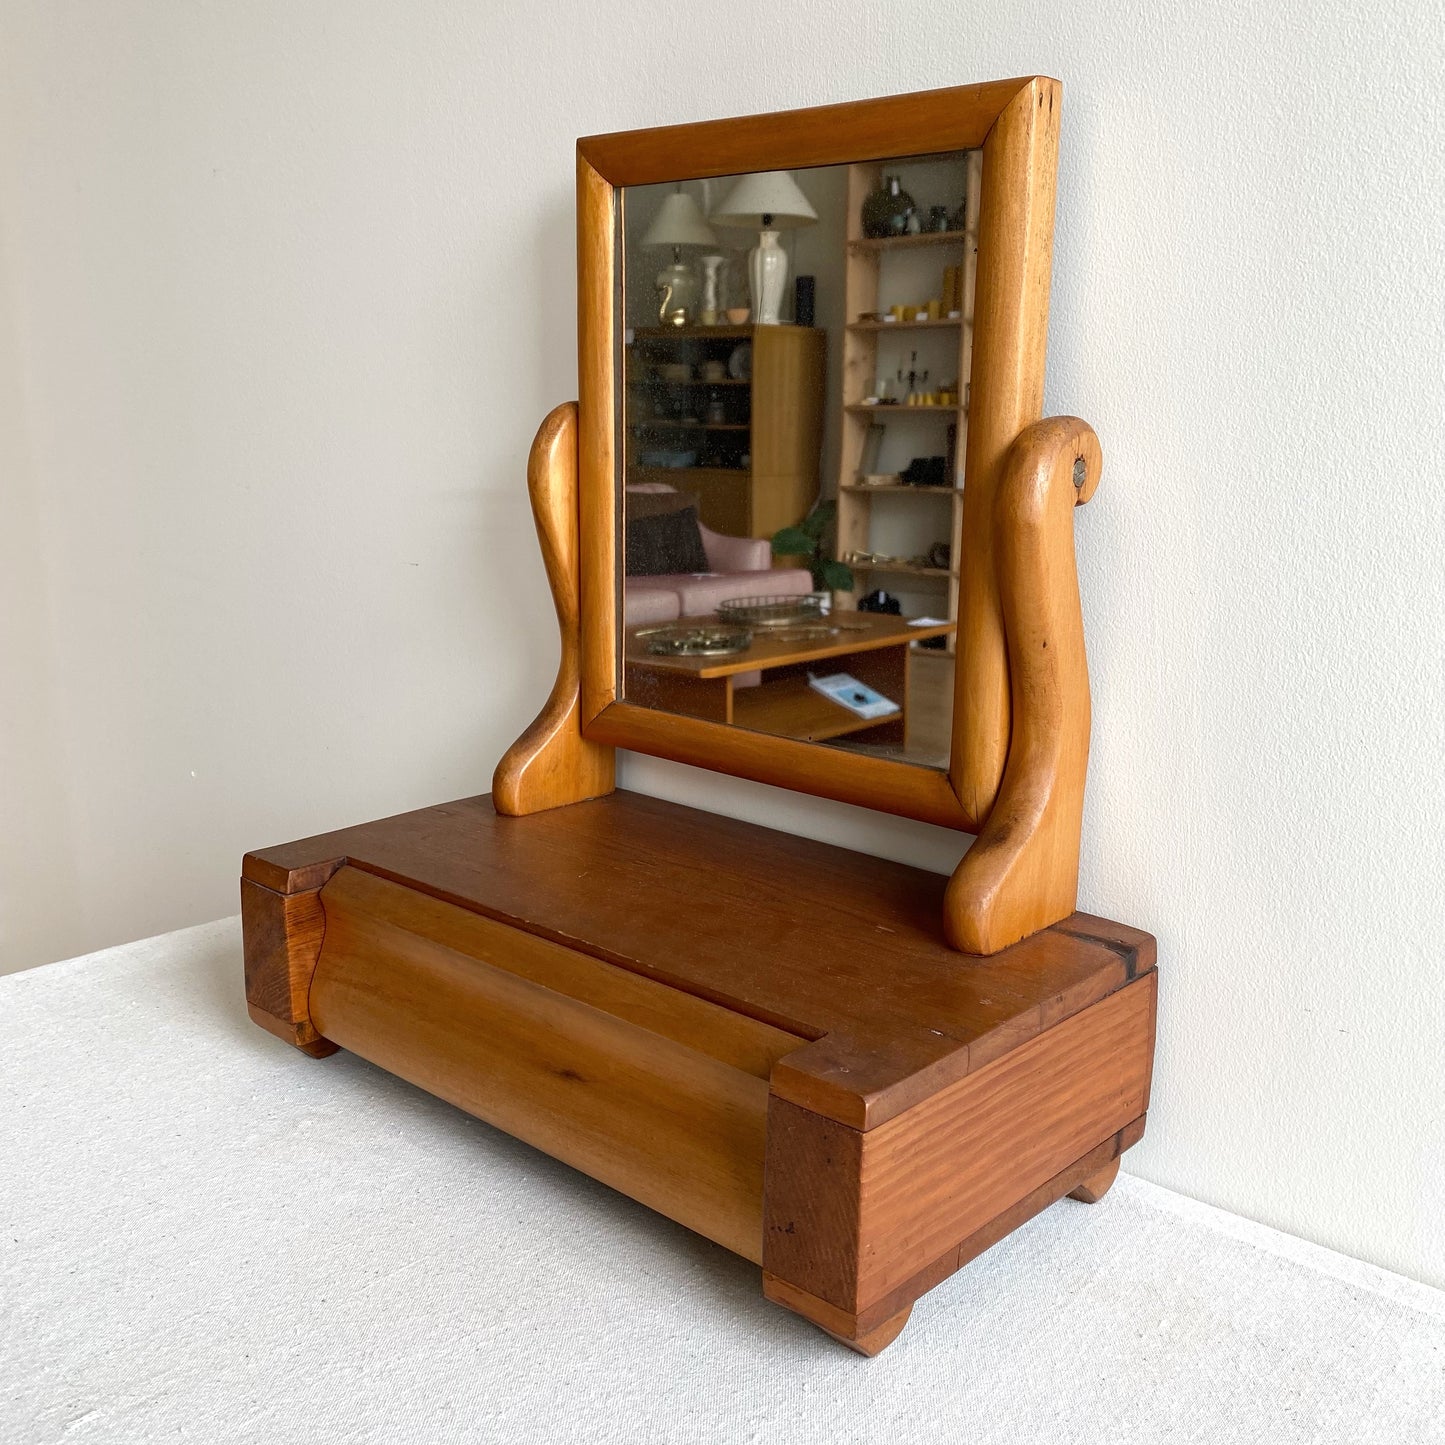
pixel 732 1038
pixel 868 782
pixel 552 764
pixel 839 1323
pixel 765 922
pixel 1022 872
pixel 668 1123
pixel 790 708
pixel 282 935
pixel 1010 340
pixel 768 1039
pixel 1096 1186
pixel 787 428
pixel 952 119
pixel 732 1024
pixel 1015 124
pixel 874 1341
pixel 856 1217
pixel 862 245
pixel 598 507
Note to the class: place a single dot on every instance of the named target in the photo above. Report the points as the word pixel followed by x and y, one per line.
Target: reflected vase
pixel 767 275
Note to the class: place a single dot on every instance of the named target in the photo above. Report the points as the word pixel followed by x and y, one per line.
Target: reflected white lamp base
pixel 767 275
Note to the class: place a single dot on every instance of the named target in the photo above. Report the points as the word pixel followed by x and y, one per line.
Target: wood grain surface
pixel 954 118
pixel 1022 872
pixel 1015 122
pixel 726 1023
pixel 281 939
pixel 605 1082
pixel 1010 343
pixel 867 1220
pixel 813 939
pixel 552 764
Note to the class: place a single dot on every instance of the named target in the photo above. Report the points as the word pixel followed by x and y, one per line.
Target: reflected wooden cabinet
pixel 746 443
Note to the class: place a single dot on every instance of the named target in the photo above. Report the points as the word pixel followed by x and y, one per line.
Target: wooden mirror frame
pixel 1020 726
pixel 1015 122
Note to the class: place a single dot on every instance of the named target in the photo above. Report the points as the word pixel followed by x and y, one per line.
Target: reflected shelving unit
pixel 896 519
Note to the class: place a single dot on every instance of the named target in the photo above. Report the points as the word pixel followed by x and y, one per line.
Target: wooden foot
pixel 840 1323
pixel 876 1339
pixel 299 1035
pixel 1096 1186
pixel 282 935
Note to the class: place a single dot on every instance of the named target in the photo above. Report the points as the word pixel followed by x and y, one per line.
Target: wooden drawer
pixel 596 979
pixel 656 1092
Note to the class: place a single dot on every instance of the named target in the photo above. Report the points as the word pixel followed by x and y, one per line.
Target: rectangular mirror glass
pixel 795 354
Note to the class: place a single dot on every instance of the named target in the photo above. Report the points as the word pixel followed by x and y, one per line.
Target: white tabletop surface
pixel 209 1237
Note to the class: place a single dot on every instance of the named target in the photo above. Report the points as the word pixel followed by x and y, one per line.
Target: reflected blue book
pixel 856 696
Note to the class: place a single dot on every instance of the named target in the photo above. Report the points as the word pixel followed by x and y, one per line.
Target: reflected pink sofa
pixel 739 567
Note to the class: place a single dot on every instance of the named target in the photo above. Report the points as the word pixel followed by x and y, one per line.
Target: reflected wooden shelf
pixel 692 333
pixel 872 244
pixel 910 569
pixel 952 321
pixel 895 487
pixel 790 708
pixel 863 408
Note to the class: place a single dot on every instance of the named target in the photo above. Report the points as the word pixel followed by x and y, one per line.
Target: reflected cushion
pixel 671 542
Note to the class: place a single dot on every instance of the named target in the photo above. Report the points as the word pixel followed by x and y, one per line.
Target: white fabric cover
pixel 208 1237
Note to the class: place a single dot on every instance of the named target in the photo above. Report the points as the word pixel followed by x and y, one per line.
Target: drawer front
pixel 656 1093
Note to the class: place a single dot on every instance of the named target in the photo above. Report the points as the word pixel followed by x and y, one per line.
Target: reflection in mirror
pixel 796 352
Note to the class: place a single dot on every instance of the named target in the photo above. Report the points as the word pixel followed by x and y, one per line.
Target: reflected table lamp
pixel 679 222
pixel 768 201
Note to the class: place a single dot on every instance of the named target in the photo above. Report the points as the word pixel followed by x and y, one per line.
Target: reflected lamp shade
pixel 679 222
pixel 765 201
pixel 771 201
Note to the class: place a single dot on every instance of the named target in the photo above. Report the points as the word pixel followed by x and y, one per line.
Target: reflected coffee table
pixel 765 688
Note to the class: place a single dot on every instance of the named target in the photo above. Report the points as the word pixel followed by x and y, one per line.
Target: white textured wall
pixel 287 285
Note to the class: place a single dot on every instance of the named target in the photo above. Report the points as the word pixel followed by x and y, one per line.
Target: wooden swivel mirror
pixel 896 434
pixel 816 536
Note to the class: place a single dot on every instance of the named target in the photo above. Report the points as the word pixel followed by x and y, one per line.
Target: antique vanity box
pixel 856 1074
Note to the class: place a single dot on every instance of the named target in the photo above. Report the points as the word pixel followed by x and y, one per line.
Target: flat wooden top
pixel 832 945
pixel 849 632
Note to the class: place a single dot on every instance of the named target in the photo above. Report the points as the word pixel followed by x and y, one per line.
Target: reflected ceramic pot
pixel 885 212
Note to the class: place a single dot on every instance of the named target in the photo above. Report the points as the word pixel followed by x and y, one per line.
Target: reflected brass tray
pixel 774 611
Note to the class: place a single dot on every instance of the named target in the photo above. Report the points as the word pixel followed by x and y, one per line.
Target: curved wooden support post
pixel 1011 325
pixel 1021 874
pixel 552 764
pixel 1096 1186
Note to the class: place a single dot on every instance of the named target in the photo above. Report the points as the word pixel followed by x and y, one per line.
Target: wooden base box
pixel 764 1038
